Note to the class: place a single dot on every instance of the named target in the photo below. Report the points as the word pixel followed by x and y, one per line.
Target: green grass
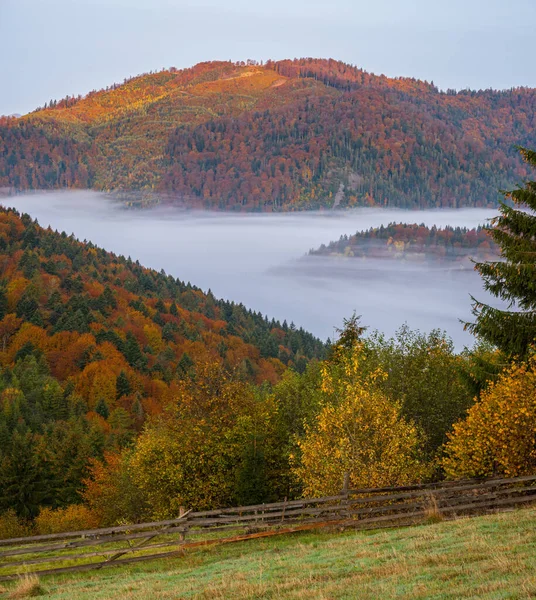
pixel 487 557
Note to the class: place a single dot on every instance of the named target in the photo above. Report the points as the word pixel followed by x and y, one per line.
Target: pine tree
pixel 25 483
pixel 514 278
pixel 184 365
pixel 133 353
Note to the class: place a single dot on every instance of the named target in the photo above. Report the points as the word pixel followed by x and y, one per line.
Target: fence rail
pixel 369 508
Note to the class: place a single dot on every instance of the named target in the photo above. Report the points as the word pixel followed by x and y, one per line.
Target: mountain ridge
pixel 281 135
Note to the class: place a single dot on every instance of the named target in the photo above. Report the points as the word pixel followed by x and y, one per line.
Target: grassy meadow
pixel 488 557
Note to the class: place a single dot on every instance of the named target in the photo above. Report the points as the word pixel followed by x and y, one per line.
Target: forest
pixel 401 241
pixel 127 395
pixel 93 345
pixel 286 135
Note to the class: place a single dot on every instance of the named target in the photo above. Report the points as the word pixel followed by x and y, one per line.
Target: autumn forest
pixel 127 394
pixel 287 135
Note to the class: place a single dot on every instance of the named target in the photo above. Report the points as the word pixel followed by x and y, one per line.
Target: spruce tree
pixel 102 409
pixel 122 385
pixel 513 278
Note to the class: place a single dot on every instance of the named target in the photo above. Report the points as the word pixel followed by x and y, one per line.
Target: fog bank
pixel 258 260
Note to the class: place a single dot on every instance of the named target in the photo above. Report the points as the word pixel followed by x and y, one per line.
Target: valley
pixel 262 262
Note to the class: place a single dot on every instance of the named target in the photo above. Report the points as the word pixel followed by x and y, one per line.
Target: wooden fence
pixel 371 508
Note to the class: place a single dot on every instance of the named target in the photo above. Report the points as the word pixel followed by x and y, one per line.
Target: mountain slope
pixel 92 345
pixel 289 134
pixel 89 312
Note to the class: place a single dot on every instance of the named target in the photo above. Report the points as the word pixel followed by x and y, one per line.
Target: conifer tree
pixel 122 385
pixel 512 279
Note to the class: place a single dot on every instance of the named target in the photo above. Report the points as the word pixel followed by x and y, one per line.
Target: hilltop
pixel 293 134
pixel 418 243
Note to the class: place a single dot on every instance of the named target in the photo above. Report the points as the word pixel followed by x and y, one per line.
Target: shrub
pixel 75 517
pixel 12 527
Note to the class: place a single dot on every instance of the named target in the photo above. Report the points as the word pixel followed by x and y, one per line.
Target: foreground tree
pixel 361 432
pixel 215 446
pixel 497 437
pixel 426 376
pixel 514 279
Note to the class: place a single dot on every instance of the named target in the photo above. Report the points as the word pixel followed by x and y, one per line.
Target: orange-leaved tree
pixel 110 493
pixel 498 435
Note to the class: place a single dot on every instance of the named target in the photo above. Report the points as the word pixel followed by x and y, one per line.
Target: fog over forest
pixel 259 260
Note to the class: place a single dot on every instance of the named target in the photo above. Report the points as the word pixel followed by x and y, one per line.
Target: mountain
pixel 91 314
pixel 293 134
pixel 455 246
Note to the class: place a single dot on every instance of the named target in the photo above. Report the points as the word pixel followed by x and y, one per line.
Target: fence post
pixel 182 511
pixel 345 496
pixel 284 509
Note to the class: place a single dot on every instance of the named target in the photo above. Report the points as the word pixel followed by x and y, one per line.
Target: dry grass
pixel 432 512
pixel 28 586
pixel 491 557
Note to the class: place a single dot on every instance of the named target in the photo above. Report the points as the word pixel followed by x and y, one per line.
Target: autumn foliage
pixel 92 346
pixel 283 135
pixel 360 432
pixel 497 437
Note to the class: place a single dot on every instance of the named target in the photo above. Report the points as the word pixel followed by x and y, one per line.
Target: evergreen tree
pixel 514 278
pixel 102 408
pixel 133 353
pixel 122 385
pixel 184 365
pixel 24 481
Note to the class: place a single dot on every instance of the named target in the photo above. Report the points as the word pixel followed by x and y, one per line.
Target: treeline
pixel 400 240
pixel 284 135
pixel 380 409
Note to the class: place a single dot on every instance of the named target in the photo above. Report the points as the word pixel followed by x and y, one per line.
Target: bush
pixel 72 518
pixel 12 527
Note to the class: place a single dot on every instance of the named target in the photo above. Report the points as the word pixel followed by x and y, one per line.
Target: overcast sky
pixel 51 48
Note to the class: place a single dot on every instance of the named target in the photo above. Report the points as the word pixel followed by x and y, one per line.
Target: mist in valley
pixel 260 260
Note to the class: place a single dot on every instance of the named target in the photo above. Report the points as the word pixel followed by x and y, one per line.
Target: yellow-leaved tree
pixel 498 437
pixel 209 448
pixel 358 431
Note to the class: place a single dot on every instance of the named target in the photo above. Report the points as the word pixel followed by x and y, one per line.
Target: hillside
pixel 294 134
pixel 488 557
pixel 417 243
pixel 92 344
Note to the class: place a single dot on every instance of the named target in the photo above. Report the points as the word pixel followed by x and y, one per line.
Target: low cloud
pixel 259 260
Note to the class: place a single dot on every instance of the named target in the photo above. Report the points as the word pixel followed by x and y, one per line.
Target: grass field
pixel 484 557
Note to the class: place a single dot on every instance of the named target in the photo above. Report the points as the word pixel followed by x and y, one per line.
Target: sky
pixel 53 48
